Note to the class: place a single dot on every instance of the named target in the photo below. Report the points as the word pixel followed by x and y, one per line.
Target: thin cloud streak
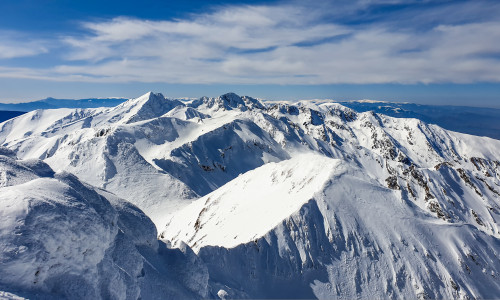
pixel 281 44
pixel 16 44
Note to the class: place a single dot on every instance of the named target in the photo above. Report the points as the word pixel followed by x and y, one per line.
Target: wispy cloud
pixel 288 44
pixel 17 44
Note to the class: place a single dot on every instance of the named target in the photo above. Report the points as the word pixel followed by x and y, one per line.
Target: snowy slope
pixel 277 191
pixel 61 238
pixel 333 233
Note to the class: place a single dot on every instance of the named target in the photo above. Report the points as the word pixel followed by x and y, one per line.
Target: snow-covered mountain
pixel 291 200
pixel 162 146
pixel 313 226
pixel 61 238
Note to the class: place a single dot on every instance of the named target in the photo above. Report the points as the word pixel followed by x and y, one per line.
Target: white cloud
pixel 286 44
pixel 14 44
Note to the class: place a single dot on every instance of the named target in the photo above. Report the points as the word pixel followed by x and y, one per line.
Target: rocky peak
pixel 229 101
pixel 150 105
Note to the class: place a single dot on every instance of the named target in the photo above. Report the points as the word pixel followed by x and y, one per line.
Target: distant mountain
pixel 6 115
pixel 472 120
pixel 51 103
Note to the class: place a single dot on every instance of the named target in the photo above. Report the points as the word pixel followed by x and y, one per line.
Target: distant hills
pixel 480 121
pixel 6 115
pixel 12 110
pixel 51 103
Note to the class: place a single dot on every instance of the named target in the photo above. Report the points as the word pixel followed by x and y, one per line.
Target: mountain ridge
pixel 466 119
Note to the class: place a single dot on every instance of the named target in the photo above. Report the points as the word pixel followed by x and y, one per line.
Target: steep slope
pixel 333 233
pixel 61 238
pixel 261 198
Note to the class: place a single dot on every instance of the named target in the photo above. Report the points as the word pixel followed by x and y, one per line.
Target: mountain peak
pixel 229 101
pixel 150 96
pixel 148 106
pixel 231 97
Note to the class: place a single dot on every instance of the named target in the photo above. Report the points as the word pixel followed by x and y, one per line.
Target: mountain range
pixel 52 103
pixel 466 119
pixel 232 197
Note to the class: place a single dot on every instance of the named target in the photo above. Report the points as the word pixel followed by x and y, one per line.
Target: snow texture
pixel 61 238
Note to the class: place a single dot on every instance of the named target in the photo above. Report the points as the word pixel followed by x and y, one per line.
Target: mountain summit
pixel 227 102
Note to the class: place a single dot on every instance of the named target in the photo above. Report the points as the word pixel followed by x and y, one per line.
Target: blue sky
pixel 442 52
